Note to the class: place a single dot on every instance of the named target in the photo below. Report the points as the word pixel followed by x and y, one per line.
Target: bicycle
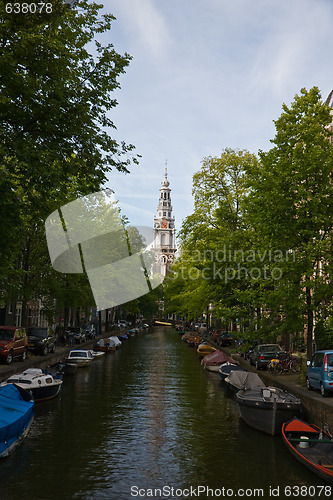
pixel 283 363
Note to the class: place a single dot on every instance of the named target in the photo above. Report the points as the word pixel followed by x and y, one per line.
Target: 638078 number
pixel 308 491
pixel 29 8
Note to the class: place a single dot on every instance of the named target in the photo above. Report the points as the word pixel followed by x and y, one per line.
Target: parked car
pixel 226 338
pixel 262 354
pixel 41 340
pixel 319 374
pixel 13 343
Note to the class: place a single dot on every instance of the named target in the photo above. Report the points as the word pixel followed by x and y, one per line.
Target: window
pixel 318 360
pixel 18 319
pixel 164 214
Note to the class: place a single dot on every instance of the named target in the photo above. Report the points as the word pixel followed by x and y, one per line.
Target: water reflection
pixel 146 415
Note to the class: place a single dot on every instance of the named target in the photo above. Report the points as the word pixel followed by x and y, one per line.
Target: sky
pixel 207 75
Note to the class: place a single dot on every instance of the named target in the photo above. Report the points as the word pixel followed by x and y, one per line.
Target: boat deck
pixel 320 457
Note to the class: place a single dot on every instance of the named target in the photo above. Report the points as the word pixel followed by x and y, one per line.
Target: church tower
pixel 164 231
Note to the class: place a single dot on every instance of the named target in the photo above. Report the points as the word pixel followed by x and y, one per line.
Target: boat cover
pixel 16 414
pixel 244 380
pixel 108 341
pixel 216 358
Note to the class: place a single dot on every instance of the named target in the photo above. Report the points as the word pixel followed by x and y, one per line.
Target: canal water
pixel 147 417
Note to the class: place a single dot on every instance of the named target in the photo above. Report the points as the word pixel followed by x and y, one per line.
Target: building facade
pixel 164 244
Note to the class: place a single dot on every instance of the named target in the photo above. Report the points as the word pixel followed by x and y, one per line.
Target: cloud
pixel 144 24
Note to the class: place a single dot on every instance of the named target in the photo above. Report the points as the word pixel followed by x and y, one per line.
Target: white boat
pixel 80 356
pixel 97 354
pixel 42 385
pixel 106 345
pixel 115 340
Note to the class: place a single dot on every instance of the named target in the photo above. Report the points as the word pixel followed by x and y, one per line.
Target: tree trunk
pixel 309 339
pixel 66 318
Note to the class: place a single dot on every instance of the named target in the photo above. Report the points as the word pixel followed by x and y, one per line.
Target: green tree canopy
pixel 57 81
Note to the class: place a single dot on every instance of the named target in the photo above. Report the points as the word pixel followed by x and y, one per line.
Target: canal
pixel 143 418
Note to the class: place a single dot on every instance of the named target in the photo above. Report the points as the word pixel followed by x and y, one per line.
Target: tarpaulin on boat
pixel 216 358
pixel 244 380
pixel 16 414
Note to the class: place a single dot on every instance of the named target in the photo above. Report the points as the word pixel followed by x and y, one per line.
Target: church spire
pixel 164 230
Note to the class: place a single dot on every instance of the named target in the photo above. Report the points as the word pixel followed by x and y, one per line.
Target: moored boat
pixel 42 385
pixel 311 446
pixel 80 356
pixel 116 341
pixel 205 349
pixel 97 354
pixel 267 408
pixel 226 368
pixel 194 340
pixel 123 336
pixel 214 360
pixel 106 345
pixel 16 416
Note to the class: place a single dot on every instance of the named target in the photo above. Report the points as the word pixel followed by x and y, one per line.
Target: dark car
pixel 13 343
pixel 226 338
pixel 262 355
pixel 41 340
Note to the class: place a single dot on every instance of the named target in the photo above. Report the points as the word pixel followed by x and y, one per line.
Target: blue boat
pixel 16 416
pixel 123 336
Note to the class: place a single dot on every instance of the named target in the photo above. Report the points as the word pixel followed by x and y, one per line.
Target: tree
pixel 290 206
pixel 209 236
pixel 56 85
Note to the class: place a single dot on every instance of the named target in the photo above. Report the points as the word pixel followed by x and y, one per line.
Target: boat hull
pixel 107 348
pixel 266 415
pixel 79 362
pixel 44 393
